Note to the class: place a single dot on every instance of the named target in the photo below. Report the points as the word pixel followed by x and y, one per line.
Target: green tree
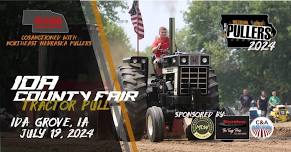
pixel 118 40
pixel 182 40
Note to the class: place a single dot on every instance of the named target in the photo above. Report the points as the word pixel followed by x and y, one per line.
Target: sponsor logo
pixel 202 127
pixel 262 128
pixel 232 127
pixel 254 32
pixel 45 21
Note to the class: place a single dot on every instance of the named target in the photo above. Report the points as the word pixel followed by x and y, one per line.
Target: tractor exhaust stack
pixel 172 34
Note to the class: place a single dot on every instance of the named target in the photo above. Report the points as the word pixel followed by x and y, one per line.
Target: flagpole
pixel 137 44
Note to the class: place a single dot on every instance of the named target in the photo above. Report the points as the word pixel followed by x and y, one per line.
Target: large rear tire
pixel 188 133
pixel 132 79
pixel 155 124
pixel 213 96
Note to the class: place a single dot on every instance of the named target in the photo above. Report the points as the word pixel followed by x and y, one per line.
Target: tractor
pixel 188 83
pixel 280 113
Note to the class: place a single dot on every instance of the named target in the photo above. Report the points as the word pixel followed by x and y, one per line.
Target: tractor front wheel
pixel 155 124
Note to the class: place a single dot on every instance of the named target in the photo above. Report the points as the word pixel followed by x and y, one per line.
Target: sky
pixel 155 13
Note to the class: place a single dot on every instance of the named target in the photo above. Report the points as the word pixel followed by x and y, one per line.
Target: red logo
pixel 47 22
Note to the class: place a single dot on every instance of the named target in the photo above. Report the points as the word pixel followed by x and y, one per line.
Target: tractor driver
pixel 160 48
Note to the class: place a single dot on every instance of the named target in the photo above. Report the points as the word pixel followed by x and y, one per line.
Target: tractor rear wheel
pixel 132 79
pixel 188 133
pixel 213 95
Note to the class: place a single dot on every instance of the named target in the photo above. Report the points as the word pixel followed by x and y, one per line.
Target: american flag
pixel 136 20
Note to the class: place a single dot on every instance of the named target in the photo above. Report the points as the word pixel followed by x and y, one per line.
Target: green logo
pixel 202 127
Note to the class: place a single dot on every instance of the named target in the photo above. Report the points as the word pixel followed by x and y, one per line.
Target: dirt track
pixel 280 141
pixel 216 146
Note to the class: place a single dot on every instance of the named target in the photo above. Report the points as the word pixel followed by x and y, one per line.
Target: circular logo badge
pixel 202 127
pixel 262 128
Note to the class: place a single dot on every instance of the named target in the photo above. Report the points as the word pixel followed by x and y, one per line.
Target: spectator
pixel 262 103
pixel 274 100
pixel 245 101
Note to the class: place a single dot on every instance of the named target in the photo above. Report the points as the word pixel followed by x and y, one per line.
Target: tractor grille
pixel 193 77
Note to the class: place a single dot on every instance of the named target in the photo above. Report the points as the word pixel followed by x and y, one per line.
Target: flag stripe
pixel 136 19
